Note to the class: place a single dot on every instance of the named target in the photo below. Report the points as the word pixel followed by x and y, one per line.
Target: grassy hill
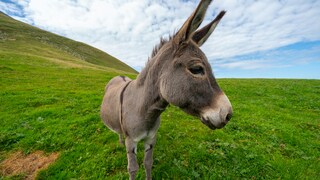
pixel 17 38
pixel 50 100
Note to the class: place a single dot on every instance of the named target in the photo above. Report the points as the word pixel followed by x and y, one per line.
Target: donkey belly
pixel 110 108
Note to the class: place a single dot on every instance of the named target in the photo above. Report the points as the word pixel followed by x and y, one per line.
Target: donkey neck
pixel 149 82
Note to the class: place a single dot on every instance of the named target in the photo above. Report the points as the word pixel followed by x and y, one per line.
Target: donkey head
pixel 187 80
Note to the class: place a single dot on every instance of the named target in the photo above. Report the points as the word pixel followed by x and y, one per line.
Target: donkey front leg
pixel 148 156
pixel 133 165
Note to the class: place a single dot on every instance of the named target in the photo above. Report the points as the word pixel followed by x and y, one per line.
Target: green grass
pixel 51 103
pixel 274 133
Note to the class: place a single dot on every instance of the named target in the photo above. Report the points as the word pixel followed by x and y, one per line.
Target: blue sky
pixel 256 39
pixel 298 60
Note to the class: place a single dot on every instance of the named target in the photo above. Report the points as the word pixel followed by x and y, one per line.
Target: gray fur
pixel 132 108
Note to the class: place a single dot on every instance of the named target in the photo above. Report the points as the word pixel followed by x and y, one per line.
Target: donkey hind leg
pixel 133 165
pixel 148 155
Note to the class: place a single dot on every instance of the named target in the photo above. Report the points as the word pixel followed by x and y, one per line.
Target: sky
pixel 255 39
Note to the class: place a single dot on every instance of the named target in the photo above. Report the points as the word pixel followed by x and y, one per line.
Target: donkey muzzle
pixel 219 115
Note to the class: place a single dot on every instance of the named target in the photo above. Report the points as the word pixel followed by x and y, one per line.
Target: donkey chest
pixel 146 130
pixel 145 135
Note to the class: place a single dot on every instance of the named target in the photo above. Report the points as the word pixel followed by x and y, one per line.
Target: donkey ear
pixel 193 22
pixel 203 34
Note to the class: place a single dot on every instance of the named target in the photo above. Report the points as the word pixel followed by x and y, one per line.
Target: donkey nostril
pixel 228 117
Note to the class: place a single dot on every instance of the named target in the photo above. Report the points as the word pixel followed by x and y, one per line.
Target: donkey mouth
pixel 208 123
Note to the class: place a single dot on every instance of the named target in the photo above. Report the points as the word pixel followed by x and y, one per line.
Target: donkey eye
pixel 198 70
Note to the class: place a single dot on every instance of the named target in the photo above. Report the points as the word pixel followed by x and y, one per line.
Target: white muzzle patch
pixel 218 115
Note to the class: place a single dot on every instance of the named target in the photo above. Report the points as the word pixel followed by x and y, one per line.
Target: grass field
pixel 275 131
pixel 51 103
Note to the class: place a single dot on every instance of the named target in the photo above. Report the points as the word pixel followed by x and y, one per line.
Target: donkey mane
pixel 157 47
pixel 144 72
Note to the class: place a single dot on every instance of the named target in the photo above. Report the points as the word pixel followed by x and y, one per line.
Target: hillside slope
pixel 23 39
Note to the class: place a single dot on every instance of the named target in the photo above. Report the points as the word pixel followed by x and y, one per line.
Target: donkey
pixel 177 73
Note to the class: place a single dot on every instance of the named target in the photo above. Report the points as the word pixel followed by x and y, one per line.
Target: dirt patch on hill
pixel 29 165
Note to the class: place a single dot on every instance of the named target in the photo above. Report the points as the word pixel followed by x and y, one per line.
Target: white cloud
pixel 251 64
pixel 273 59
pixel 128 30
